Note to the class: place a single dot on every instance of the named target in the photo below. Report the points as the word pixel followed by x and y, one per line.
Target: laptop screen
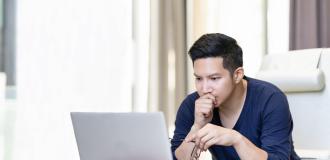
pixel 107 136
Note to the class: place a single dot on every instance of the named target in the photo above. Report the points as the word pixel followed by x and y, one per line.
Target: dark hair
pixel 218 45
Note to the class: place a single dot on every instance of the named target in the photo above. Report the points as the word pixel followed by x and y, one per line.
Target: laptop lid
pixel 121 136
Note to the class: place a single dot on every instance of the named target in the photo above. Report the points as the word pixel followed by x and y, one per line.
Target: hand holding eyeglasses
pixel 195 153
pixel 212 134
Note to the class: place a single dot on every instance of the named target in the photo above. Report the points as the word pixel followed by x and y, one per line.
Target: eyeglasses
pixel 195 153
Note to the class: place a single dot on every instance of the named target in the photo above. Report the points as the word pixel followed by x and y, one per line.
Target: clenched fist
pixel 204 110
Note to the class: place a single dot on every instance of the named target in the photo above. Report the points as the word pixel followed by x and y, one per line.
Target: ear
pixel 238 75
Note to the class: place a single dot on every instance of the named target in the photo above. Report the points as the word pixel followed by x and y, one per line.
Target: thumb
pixel 190 138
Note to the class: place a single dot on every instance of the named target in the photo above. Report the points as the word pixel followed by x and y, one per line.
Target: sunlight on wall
pixel 141 37
pixel 75 53
pixel 278 26
pixel 71 56
pixel 244 22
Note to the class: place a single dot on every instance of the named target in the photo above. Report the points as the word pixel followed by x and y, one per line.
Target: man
pixel 231 115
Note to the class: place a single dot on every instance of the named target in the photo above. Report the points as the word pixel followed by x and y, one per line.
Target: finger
pixel 195 152
pixel 204 106
pixel 206 134
pixel 206 112
pixel 205 130
pixel 202 102
pixel 208 96
pixel 199 135
pixel 190 138
pixel 207 100
pixel 204 140
pixel 197 141
pixel 198 152
pixel 210 143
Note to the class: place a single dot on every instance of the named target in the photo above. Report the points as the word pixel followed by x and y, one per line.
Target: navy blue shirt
pixel 265 120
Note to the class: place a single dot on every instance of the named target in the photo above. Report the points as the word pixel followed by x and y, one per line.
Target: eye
pixel 198 79
pixel 215 78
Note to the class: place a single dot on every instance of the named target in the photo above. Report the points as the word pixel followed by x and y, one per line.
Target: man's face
pixel 212 78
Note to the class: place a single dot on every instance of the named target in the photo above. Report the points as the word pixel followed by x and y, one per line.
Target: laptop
pixel 121 136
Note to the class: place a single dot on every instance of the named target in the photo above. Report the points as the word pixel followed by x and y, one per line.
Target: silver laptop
pixel 121 136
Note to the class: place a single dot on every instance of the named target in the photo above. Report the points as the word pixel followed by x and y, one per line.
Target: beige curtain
pixel 167 79
pixel 309 24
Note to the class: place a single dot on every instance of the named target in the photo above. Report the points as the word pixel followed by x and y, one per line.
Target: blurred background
pixel 59 56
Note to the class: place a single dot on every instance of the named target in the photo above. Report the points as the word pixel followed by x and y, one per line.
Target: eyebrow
pixel 211 75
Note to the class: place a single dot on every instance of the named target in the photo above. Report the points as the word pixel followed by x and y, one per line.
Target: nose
pixel 206 87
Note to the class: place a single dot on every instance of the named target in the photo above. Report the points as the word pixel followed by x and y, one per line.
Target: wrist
pixel 238 138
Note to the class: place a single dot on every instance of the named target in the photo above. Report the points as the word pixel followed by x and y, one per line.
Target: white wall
pixel 278 26
pixel 69 51
pixel 72 55
pixel 244 21
pixel 240 19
